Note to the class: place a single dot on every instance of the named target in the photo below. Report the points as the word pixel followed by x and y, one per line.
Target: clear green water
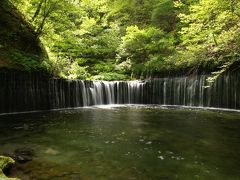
pixel 129 142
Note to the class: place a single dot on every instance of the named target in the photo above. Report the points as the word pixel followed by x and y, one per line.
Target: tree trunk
pixel 40 28
pixel 38 10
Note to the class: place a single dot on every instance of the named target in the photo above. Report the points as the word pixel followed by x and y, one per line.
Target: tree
pixel 211 34
pixel 143 46
pixel 134 36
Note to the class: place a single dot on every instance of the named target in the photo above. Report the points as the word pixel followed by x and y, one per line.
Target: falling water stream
pixel 21 92
pixel 122 129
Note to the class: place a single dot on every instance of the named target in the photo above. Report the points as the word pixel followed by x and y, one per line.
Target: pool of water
pixel 125 142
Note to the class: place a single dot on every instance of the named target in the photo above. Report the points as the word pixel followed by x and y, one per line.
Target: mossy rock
pixel 5 162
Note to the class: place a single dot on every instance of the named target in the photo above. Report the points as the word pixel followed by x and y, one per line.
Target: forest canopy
pixel 127 39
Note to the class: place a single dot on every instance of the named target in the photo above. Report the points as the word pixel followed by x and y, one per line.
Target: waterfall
pixel 29 92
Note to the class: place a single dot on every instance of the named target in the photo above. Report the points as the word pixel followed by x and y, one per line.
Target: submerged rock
pixel 5 163
pixel 45 171
pixel 51 151
pixel 23 155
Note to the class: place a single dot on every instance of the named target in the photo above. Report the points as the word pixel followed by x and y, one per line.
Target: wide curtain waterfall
pixel 33 91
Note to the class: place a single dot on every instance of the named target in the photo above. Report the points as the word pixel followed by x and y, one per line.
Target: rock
pixel 23 155
pixel 51 151
pixel 5 163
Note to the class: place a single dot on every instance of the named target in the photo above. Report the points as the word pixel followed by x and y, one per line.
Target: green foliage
pixel 164 15
pixel 19 46
pixel 124 67
pixel 105 39
pixel 211 33
pixel 110 76
pixel 102 67
pixel 25 61
pixel 6 162
pixel 77 72
pixel 141 47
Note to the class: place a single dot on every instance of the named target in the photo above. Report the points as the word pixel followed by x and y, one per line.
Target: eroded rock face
pixel 16 35
pixel 5 163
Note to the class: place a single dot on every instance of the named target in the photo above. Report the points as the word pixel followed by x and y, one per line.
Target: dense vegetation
pixel 19 45
pixel 123 39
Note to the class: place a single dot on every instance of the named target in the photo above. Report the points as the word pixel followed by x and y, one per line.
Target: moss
pixel 19 45
pixel 5 162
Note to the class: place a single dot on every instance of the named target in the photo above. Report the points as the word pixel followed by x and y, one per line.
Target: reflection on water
pixel 125 142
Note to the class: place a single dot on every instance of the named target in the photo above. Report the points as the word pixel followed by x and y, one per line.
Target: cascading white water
pixel 110 92
pixel 28 93
pixel 187 91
